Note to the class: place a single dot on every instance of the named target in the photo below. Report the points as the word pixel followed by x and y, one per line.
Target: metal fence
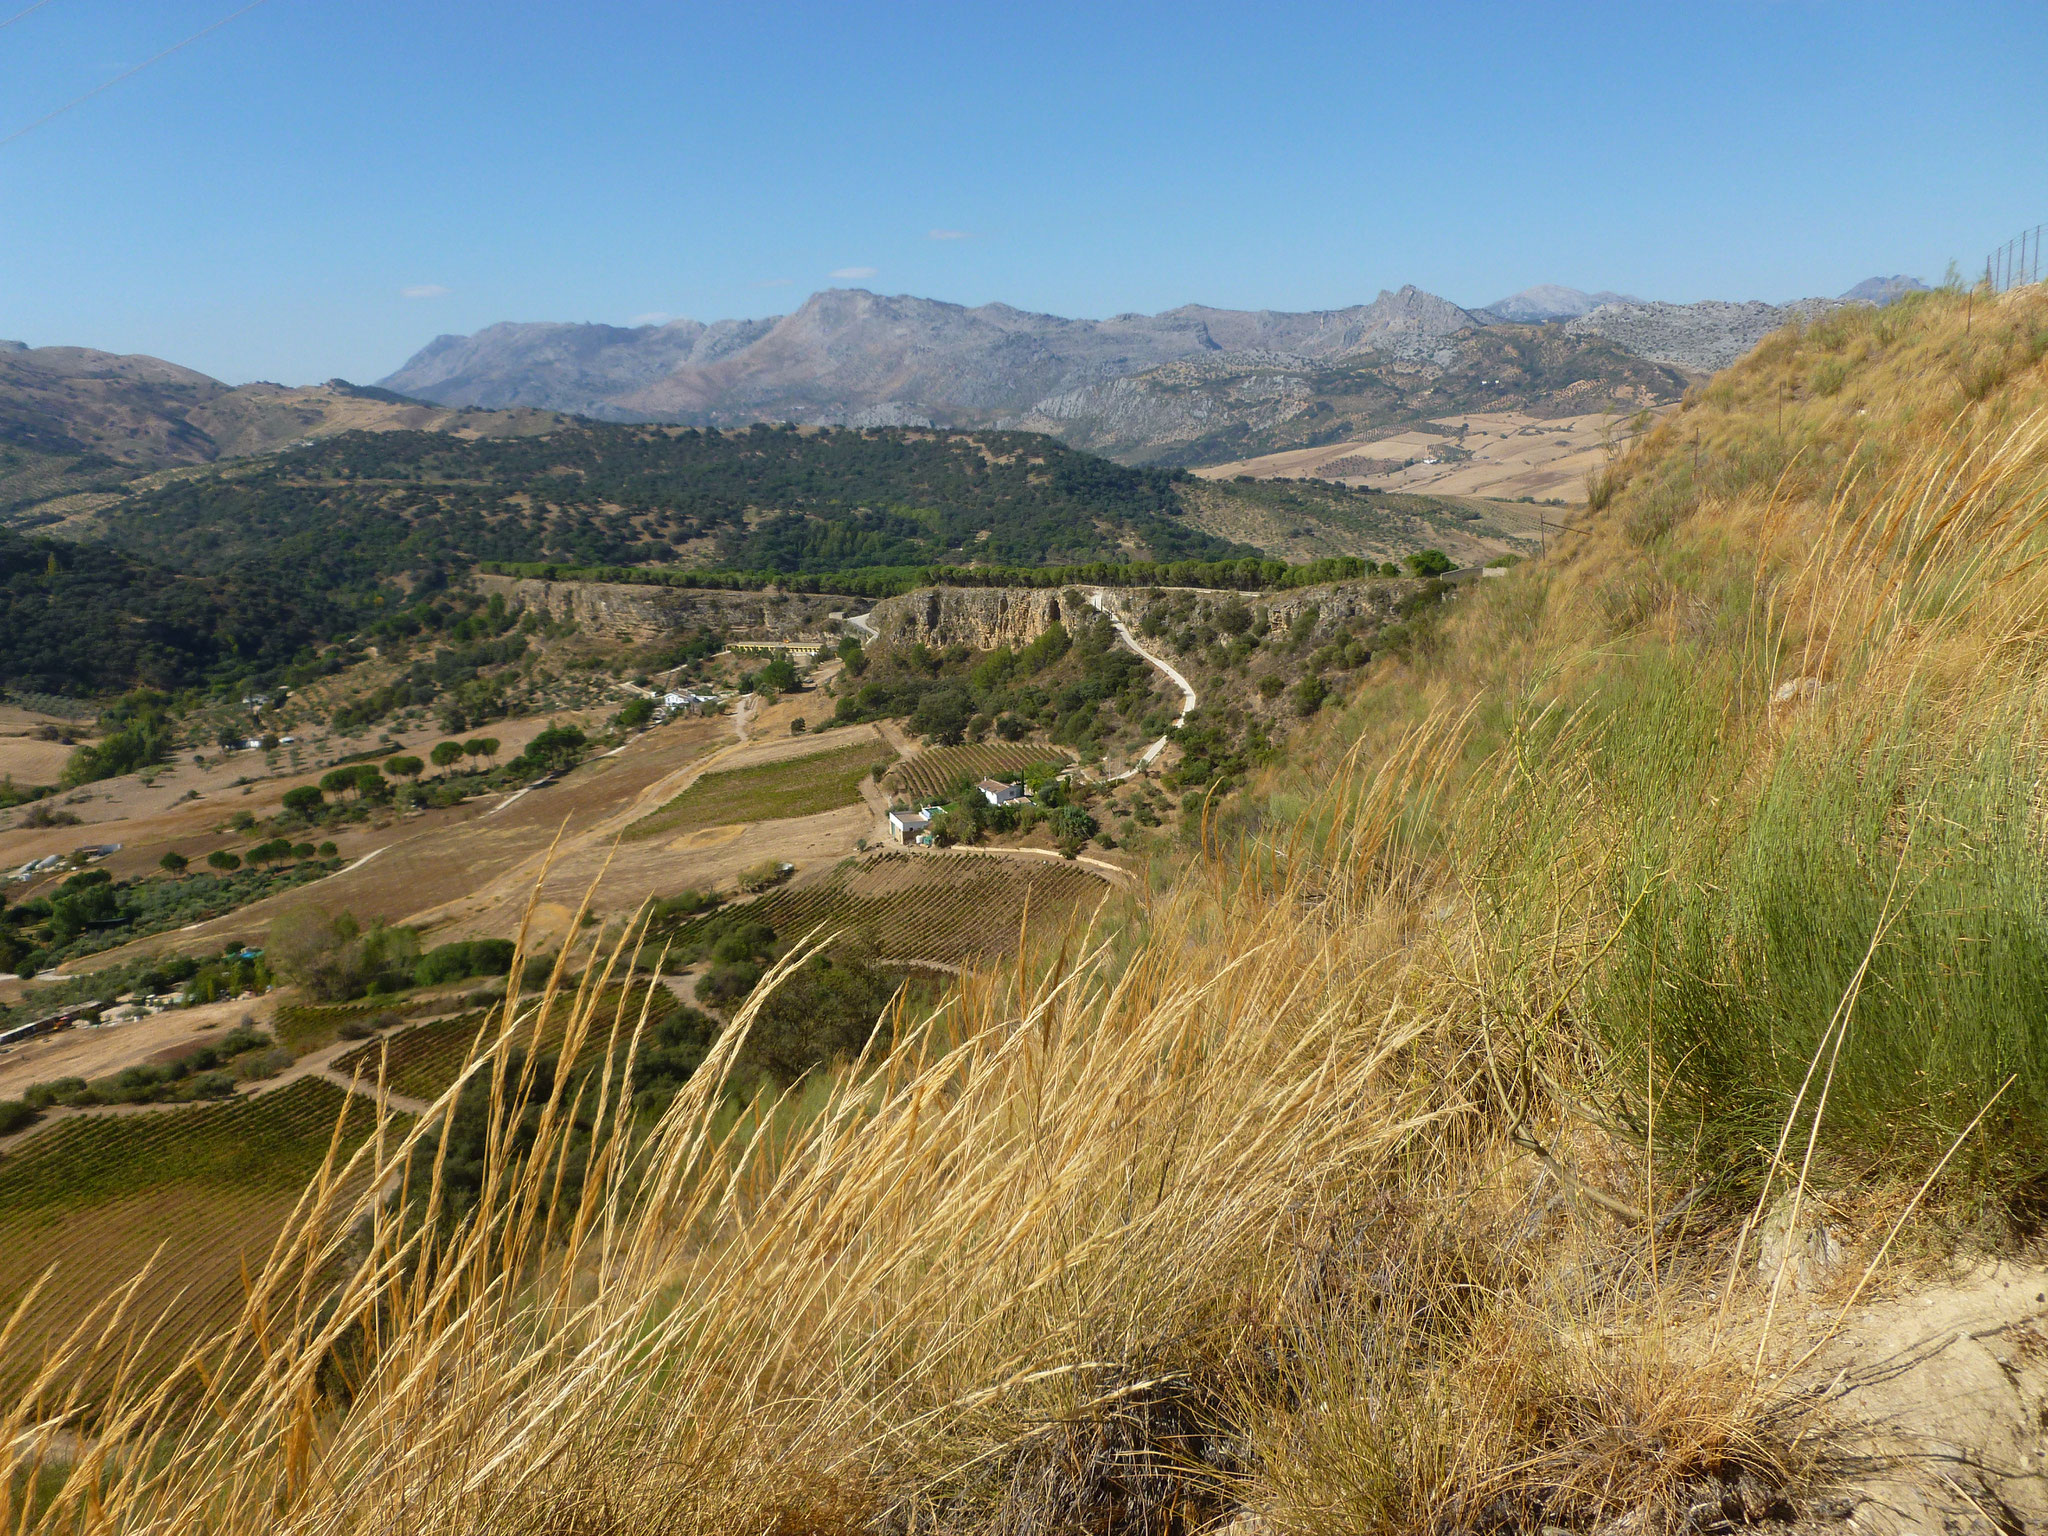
pixel 2015 263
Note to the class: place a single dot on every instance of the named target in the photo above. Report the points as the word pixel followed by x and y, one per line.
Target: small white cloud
pixel 950 234
pixel 773 282
pixel 854 273
pixel 424 291
pixel 653 317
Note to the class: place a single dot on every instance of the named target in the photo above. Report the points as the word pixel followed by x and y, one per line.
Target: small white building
pixel 995 792
pixel 907 826
pixel 683 701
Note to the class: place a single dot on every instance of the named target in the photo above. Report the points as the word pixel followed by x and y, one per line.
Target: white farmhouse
pixel 995 792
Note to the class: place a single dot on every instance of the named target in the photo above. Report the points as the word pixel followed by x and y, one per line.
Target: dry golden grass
pixel 1371 1182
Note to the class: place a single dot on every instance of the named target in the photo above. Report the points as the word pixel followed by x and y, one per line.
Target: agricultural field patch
pixel 213 1185
pixel 952 907
pixel 307 1026
pixel 427 1058
pixel 929 773
pixel 773 791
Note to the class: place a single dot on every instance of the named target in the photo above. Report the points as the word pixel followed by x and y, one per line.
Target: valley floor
pixel 1512 455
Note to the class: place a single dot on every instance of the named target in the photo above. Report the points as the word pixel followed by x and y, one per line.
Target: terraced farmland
pixel 305 1025
pixel 929 773
pixel 951 907
pixel 424 1060
pixel 771 791
pixel 213 1185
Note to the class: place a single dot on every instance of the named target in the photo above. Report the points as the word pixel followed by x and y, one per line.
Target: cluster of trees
pixel 1245 573
pixel 965 816
pixel 90 911
pixel 209 1071
pixel 336 958
pixel 139 732
pixel 824 1011
pixel 1078 687
pixel 345 515
pixel 86 621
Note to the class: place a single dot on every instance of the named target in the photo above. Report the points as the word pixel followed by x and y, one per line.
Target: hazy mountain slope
pixel 76 420
pixel 565 367
pixel 849 356
pixel 1882 290
pixel 1704 337
pixel 1548 301
pixel 1226 406
pixel 73 400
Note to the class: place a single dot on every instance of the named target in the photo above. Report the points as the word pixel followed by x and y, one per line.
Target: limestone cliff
pixel 980 618
pixel 633 612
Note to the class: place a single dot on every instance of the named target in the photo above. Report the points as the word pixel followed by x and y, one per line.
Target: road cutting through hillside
pixel 1188 699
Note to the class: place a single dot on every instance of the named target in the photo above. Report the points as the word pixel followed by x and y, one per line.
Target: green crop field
pixel 952 907
pixel 305 1026
pixel 929 773
pixel 97 1196
pixel 774 791
pixel 425 1059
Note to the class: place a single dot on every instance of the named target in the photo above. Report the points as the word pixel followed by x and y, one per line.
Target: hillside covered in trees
pixel 363 506
pixel 82 619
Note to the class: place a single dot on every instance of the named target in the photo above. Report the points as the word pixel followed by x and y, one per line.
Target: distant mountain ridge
pixel 850 357
pixel 1547 301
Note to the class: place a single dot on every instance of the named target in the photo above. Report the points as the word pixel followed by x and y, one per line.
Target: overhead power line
pixel 18 15
pixel 126 74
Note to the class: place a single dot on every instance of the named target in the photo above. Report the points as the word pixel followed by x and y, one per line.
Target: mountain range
pixel 851 357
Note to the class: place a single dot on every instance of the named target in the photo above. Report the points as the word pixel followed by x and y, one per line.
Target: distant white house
pixel 908 826
pixel 995 792
pixel 685 702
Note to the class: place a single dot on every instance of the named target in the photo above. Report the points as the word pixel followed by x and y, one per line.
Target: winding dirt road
pixel 1188 699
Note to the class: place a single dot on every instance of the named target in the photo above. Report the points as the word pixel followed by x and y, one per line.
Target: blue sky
pixel 321 186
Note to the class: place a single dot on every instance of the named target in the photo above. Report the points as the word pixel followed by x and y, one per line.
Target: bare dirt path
pixel 1114 874
pixel 1098 601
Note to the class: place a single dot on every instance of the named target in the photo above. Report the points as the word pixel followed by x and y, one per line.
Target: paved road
pixel 1188 699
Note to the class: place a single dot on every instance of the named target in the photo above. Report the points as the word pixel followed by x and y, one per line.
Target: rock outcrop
pixel 633 612
pixel 1705 337
pixel 980 618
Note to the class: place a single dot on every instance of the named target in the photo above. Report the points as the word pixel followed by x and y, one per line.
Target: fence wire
pixel 2016 263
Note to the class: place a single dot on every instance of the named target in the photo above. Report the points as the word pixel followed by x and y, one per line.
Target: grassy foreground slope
pixel 1386 1172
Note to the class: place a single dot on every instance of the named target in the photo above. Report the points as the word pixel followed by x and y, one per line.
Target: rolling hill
pixel 75 420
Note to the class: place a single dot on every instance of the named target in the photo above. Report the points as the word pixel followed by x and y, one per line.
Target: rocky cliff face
pixel 632 612
pixel 1337 604
pixel 980 618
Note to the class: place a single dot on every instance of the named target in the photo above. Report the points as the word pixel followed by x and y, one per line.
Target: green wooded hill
pixel 355 509
pixel 84 620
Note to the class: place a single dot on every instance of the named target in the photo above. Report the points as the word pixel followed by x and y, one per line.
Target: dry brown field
pixel 1513 455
